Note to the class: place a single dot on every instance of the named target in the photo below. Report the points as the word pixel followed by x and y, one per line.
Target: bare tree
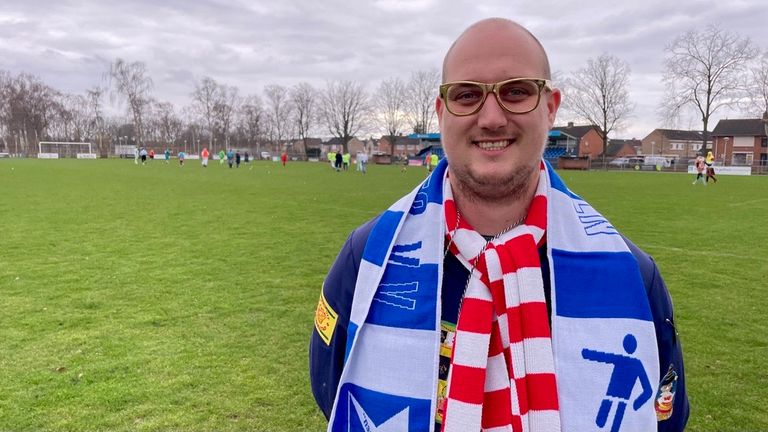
pixel 420 99
pixel 251 121
pixel 207 95
pixel 599 93
pixel 705 69
pixel 757 86
pixel 131 82
pixel 304 99
pixel 28 107
pixel 75 109
pixel 344 109
pixel 5 114
pixel 279 108
pixel 169 124
pixel 390 104
pixel 94 95
pixel 224 112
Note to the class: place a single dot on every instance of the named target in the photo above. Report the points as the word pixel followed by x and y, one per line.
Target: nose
pixel 491 115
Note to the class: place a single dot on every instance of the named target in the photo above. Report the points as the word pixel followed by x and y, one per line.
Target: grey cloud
pixel 249 44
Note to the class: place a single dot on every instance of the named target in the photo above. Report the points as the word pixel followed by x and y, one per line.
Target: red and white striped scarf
pixel 502 374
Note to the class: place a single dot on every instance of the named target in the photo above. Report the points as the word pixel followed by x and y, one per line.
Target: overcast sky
pixel 250 44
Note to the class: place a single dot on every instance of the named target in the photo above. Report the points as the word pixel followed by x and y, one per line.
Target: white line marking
pixel 747 202
pixel 708 253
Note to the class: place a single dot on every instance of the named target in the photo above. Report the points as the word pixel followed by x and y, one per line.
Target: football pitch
pixel 161 297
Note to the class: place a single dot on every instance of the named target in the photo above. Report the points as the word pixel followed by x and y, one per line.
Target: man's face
pixel 493 154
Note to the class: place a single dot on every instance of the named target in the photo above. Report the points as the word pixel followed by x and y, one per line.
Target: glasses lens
pixel 519 96
pixel 463 98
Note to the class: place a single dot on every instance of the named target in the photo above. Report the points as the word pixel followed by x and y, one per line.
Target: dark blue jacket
pixel 326 360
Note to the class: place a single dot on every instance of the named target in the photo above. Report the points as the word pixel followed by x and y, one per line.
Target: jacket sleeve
pixel 329 336
pixel 667 339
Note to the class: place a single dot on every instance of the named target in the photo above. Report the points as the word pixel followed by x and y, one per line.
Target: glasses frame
pixel 541 84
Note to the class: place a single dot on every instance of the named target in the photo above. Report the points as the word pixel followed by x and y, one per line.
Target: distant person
pixel 434 159
pixel 283 158
pixel 362 162
pixel 230 157
pixel 136 155
pixel 246 157
pixel 222 156
pixel 339 158
pixel 182 155
pixel 204 154
pixel 143 155
pixel 151 154
pixel 404 167
pixel 700 169
pixel 167 155
pixel 710 162
pixel 237 159
pixel 345 158
pixel 332 159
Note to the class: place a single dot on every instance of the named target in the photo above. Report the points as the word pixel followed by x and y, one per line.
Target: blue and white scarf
pixel 603 337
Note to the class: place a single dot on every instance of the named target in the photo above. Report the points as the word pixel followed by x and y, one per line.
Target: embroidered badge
pixel 325 320
pixel 665 397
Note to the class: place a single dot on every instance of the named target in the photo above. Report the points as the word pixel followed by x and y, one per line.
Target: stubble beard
pixel 495 190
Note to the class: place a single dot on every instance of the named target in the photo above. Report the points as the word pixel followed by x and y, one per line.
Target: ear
pixel 553 103
pixel 439 110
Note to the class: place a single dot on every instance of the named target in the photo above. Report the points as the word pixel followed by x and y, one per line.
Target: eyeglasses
pixel 517 95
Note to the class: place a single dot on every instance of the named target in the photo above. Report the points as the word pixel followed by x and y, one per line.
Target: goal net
pixel 55 150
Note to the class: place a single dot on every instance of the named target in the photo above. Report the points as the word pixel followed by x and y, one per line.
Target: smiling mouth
pixel 493 145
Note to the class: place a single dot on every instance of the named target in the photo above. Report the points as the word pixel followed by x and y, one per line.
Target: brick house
pixel 623 147
pixel 574 140
pixel 740 142
pixel 314 148
pixel 404 146
pixel 672 143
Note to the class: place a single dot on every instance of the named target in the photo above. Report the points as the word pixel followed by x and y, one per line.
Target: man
pixel 433 160
pixel 699 164
pixel 492 297
pixel 710 163
pixel 362 162
pixel 204 155
pixel 230 157
pixel 339 157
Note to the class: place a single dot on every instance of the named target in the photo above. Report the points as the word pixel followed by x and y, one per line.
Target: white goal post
pixel 57 149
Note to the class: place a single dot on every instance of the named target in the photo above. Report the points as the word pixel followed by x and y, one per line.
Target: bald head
pixel 502 33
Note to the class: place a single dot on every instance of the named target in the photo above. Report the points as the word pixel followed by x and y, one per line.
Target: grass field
pixel 166 298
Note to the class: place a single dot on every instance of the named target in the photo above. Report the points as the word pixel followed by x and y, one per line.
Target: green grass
pixel 166 298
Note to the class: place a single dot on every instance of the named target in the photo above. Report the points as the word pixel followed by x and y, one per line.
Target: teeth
pixel 493 145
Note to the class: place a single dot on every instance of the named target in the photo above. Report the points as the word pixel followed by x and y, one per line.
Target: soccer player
pixel 204 154
pixel 700 167
pixel 710 163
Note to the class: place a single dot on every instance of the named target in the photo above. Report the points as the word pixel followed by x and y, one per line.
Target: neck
pixel 491 217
